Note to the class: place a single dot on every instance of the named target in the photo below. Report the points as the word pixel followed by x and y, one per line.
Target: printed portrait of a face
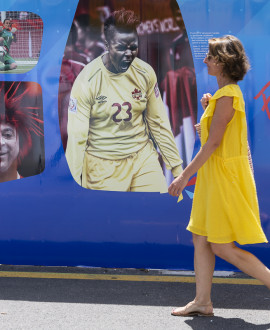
pixel 9 149
pixel 21 130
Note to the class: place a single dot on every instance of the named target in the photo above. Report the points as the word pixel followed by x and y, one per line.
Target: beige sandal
pixel 193 309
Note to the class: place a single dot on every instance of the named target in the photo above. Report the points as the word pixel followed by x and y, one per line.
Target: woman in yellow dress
pixel 225 206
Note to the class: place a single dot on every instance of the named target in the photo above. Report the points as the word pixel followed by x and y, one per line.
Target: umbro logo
pixel 101 99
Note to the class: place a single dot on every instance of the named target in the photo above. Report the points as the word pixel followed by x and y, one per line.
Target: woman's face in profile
pixel 9 146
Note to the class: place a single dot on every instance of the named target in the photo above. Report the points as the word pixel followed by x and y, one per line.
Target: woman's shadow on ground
pixel 221 323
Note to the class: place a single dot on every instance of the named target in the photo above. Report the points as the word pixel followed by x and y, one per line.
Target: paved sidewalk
pixel 51 298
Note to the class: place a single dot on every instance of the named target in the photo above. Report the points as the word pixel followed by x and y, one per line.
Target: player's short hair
pixel 6 19
pixel 229 51
pixel 122 20
pixel 15 112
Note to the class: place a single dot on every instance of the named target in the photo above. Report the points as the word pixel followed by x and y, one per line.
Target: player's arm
pixel 160 128
pixel 78 126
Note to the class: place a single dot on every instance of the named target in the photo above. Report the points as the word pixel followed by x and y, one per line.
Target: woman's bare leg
pixel 243 260
pixel 204 263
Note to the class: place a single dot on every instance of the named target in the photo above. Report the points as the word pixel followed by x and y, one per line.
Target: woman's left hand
pixel 178 184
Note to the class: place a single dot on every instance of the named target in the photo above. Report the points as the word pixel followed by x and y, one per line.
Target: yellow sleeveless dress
pixel 225 206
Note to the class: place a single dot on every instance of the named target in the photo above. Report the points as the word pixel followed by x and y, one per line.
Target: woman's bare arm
pixel 223 115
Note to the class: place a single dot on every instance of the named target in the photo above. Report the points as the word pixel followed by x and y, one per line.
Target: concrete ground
pixel 99 298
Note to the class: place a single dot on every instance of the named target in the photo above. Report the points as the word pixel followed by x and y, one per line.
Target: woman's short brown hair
pixel 229 51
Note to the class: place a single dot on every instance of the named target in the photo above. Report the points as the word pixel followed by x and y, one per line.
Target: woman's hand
pixel 205 100
pixel 178 184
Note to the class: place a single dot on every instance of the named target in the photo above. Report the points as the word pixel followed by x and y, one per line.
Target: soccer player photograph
pixel 20 121
pixel 7 31
pixel 116 118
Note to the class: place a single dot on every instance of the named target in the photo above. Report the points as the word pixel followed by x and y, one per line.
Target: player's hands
pixel 14 28
pixel 178 185
pixel 205 100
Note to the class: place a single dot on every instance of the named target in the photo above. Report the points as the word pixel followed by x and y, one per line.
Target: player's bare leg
pixel 7 67
pixel 243 260
pixel 13 66
pixel 204 264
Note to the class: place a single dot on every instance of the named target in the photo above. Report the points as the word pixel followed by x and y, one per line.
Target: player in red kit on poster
pixel 180 90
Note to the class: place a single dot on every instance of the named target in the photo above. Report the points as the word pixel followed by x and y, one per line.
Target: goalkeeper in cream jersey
pixel 115 106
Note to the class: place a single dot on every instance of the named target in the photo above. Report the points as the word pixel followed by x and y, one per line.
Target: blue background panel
pixel 48 219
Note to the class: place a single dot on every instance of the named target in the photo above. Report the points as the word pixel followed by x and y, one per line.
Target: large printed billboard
pixel 100 147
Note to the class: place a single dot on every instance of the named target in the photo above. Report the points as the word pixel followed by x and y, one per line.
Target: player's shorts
pixel 140 172
pixel 8 59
